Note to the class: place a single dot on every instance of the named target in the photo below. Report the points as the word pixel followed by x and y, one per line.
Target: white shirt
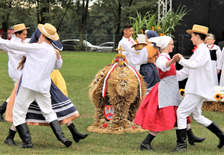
pixel 139 59
pixel 161 62
pixel 126 44
pixel 41 59
pixel 14 59
pixel 198 69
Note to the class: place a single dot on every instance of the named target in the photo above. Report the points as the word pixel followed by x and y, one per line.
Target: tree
pixel 122 9
pixel 82 7
pixel 5 11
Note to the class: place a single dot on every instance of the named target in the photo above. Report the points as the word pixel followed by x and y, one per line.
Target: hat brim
pixel 192 31
pixel 21 29
pixel 54 37
pixel 144 44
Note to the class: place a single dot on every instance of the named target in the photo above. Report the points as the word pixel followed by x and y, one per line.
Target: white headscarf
pixel 161 41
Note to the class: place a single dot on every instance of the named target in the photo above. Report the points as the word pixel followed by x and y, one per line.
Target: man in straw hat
pixel 200 85
pixel 20 31
pixel 35 85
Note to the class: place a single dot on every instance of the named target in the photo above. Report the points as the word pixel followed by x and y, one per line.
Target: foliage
pixel 138 24
pixel 171 19
pixel 164 27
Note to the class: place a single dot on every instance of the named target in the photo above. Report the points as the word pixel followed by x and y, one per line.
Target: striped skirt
pixel 61 104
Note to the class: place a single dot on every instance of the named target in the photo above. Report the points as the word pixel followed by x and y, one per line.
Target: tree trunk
pixel 83 11
pixel 118 29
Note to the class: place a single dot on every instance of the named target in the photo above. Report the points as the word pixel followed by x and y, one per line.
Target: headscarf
pixel 161 41
pixel 151 33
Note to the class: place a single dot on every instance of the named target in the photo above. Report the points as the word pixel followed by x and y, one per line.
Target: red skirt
pixel 149 116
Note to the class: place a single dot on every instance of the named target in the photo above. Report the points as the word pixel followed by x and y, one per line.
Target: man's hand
pixel 58 54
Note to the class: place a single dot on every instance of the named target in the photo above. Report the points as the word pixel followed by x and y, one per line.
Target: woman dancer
pixel 158 110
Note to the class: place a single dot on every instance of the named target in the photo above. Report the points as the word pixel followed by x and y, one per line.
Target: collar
pixel 126 38
pixel 16 39
pixel 210 46
pixel 165 54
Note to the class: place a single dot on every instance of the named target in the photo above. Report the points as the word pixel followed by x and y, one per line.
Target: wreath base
pixel 108 127
pixel 213 106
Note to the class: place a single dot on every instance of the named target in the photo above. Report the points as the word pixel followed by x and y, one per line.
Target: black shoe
pixel 192 138
pixel 55 126
pixel 24 134
pixel 1 118
pixel 146 143
pixel 2 110
pixel 76 135
pixel 181 140
pixel 218 132
pixel 10 138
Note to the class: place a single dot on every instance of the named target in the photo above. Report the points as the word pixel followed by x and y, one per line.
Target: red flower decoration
pixel 133 127
pixel 105 125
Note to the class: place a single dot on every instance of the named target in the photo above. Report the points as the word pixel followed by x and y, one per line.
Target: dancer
pixel 35 84
pixel 200 85
pixel 66 112
pixel 146 58
pixel 149 70
pixel 20 31
pixel 216 57
pixel 157 111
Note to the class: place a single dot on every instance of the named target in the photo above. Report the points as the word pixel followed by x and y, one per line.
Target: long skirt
pixel 61 104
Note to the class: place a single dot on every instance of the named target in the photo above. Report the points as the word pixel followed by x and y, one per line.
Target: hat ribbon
pixel 50 36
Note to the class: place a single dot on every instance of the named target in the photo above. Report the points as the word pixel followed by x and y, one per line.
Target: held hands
pixel 177 57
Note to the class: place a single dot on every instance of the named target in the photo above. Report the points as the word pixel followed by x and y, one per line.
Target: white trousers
pixel 23 100
pixel 191 104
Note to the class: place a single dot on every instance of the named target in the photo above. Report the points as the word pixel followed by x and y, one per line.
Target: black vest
pixel 213 55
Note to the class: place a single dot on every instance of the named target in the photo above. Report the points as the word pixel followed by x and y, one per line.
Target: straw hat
pixel 49 31
pixel 20 27
pixel 141 42
pixel 198 29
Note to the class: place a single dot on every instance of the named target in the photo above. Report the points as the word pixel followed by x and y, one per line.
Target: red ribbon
pixel 195 47
pixel 131 41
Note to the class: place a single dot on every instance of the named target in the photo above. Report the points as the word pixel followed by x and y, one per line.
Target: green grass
pixel 79 69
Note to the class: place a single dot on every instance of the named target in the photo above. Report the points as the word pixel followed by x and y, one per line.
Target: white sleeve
pixel 126 47
pixel 3 43
pixel 182 74
pixel 58 64
pixel 139 59
pixel 198 62
pixel 161 63
pixel 219 58
pixel 27 48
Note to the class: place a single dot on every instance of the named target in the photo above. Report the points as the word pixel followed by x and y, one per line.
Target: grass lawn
pixel 79 69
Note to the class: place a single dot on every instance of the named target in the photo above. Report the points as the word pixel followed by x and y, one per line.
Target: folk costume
pixel 157 111
pixel 13 62
pixel 61 104
pixel 36 84
pixel 200 85
pixel 216 57
pixel 126 44
pixel 149 70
